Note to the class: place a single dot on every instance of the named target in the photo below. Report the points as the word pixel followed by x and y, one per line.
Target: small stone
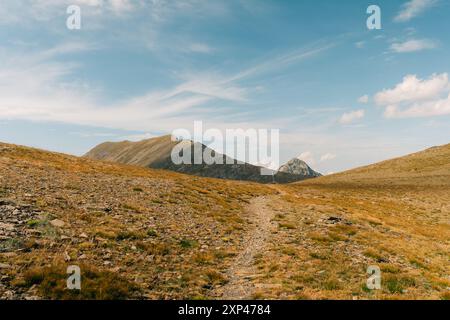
pixel 9 254
pixel 107 263
pixel 66 256
pixel 6 226
pixel 57 223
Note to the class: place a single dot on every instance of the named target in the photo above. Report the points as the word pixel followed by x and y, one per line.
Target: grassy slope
pixel 164 234
pixel 143 153
pixel 394 214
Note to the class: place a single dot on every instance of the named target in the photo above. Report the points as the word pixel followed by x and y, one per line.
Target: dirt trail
pixel 243 271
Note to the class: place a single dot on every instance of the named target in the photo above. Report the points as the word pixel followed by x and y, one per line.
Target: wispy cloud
pixel 308 157
pixel 413 45
pixel 327 157
pixel 413 8
pixel 283 61
pixel 352 116
pixel 360 44
pixel 364 99
pixel 38 87
pixel 200 48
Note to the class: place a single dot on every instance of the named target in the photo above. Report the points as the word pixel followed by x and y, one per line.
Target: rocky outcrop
pixel 300 168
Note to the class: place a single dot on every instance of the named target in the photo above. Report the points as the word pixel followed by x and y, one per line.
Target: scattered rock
pixel 334 219
pixel 66 256
pixel 57 223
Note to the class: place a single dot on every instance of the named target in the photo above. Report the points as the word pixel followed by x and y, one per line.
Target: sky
pixel 341 95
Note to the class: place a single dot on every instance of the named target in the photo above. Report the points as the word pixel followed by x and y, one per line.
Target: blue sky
pixel 341 95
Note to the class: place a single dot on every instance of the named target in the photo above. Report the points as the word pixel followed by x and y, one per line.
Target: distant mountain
pixel 156 153
pixel 299 167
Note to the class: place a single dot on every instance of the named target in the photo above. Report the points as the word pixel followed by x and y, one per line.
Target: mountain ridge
pixel 156 153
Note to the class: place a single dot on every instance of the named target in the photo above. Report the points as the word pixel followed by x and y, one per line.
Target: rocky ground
pixel 162 235
pixel 149 234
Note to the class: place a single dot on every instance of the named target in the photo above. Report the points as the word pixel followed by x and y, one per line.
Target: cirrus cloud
pixel 413 45
pixel 413 8
pixel 327 157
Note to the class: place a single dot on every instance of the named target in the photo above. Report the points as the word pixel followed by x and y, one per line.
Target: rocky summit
pixel 299 167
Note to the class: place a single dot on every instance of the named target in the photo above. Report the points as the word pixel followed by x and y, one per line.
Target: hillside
pixel 428 167
pixel 156 153
pixel 155 234
pixel 145 153
pixel 394 215
pixel 139 232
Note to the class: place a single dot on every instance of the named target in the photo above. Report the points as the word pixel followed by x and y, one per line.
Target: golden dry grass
pixel 169 236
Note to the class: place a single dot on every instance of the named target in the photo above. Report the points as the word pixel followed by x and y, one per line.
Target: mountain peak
pixel 298 167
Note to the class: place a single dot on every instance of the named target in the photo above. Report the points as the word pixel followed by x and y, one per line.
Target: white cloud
pixel 360 44
pixel 308 157
pixel 327 157
pixel 413 8
pixel 200 48
pixel 421 109
pixel 413 45
pixel 120 6
pixel 364 99
pixel 350 117
pixel 414 97
pixel 26 12
pixel 412 89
